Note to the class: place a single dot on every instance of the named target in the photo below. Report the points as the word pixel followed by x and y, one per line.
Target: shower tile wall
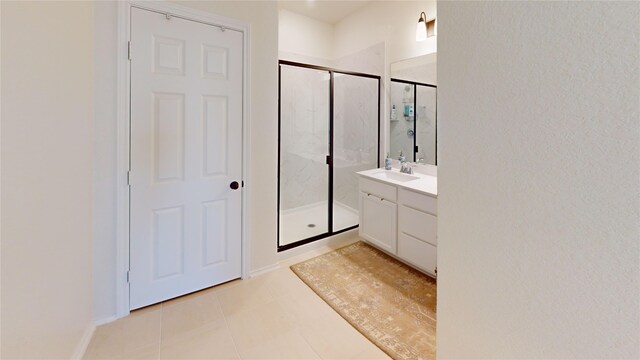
pixel 304 125
pixel 369 61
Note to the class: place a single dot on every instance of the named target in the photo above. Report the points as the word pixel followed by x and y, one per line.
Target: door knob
pixel 234 185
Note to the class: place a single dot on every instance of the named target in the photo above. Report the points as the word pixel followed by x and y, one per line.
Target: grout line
pixel 296 320
pixel 308 344
pixel 161 317
pixel 226 323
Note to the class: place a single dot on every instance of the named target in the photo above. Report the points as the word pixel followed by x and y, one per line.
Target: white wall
pixel 302 35
pixel 263 19
pixel 539 196
pixel 393 22
pixel 104 179
pixel 422 69
pixel 47 120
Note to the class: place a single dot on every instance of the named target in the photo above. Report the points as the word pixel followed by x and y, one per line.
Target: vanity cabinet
pixel 400 221
pixel 417 229
pixel 378 214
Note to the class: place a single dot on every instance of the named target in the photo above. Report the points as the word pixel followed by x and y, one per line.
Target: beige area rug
pixel 390 303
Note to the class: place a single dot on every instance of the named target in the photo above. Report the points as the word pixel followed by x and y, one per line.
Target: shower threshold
pixel 310 220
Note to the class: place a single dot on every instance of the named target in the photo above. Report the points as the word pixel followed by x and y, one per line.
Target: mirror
pixel 413 115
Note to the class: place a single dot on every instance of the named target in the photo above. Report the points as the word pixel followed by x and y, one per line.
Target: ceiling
pixel 329 11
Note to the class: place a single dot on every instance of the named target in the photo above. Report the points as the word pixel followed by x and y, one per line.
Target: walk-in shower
pixel 328 130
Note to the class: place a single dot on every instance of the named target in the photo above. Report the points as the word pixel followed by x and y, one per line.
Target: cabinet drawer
pixel 418 201
pixel 418 224
pixel 383 191
pixel 418 253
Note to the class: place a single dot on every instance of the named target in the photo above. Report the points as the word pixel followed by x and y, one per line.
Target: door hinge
pixel 129 50
pixel 128 275
pixel 129 177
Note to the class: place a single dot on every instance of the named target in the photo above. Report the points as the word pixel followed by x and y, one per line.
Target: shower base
pixel 310 220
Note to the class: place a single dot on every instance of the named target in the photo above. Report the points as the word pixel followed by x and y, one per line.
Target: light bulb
pixel 421 31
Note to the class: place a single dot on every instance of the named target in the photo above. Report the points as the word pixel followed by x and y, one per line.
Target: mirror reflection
pixel 413 117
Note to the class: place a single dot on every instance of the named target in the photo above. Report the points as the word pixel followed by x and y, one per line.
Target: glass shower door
pixel 328 131
pixel 355 142
pixel 304 145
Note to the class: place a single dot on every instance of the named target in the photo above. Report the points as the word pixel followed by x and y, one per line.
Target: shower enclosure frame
pixel 415 115
pixel 329 157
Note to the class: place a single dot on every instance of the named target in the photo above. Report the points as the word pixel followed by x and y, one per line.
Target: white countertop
pixel 425 184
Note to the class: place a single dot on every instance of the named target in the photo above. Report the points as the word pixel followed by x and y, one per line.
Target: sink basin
pixel 394 175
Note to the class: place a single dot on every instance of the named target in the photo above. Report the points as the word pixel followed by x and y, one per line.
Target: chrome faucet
pixel 406 168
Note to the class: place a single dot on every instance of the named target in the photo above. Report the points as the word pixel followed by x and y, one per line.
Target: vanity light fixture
pixel 425 28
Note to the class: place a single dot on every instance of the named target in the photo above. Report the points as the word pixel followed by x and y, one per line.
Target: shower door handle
pixel 328 160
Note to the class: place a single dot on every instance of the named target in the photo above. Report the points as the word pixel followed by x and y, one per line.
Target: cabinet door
pixel 378 222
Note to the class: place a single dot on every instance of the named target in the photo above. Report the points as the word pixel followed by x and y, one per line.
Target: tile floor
pixel 272 316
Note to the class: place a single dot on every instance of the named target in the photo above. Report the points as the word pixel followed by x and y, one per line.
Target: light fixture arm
pixel 421 29
pixel 423 18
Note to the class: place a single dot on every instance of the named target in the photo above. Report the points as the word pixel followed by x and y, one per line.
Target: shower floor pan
pixel 306 221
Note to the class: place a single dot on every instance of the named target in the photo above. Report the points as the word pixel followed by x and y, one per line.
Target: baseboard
pixel 263 270
pixel 105 320
pixel 81 348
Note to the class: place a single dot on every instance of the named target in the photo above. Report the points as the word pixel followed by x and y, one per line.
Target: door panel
pixel 186 148
pixel 215 135
pixel 214 228
pixel 168 242
pixel 168 139
pixel 378 221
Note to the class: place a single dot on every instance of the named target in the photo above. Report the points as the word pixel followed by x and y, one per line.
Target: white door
pixel 186 155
